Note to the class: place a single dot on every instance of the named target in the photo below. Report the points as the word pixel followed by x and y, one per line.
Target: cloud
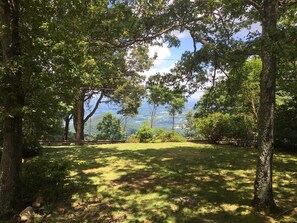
pixel 162 52
pixel 161 62
pixel 181 35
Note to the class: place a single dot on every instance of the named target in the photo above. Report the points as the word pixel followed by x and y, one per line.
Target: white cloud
pixel 161 62
pixel 181 35
pixel 162 53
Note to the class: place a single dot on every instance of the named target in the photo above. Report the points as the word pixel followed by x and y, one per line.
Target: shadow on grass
pixel 161 183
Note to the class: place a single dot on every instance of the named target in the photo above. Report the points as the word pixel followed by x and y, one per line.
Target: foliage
pixel 145 133
pixel 286 123
pixel 242 127
pixel 218 126
pixel 157 94
pixel 110 128
pixel 213 127
pixel 31 148
pixel 238 92
pixel 190 127
pixel 132 139
pixel 41 176
pixel 168 136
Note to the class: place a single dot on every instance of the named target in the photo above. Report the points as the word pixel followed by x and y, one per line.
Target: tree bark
pixel 173 121
pixel 263 191
pixel 66 127
pixel 11 160
pixel 79 116
pixel 153 114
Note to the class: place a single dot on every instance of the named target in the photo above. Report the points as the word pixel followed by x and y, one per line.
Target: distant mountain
pixel 163 120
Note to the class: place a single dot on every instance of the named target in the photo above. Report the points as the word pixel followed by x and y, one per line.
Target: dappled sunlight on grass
pixel 166 182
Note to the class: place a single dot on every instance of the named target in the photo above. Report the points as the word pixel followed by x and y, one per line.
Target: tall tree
pixel 157 95
pixel 176 103
pixel 215 25
pixel 12 98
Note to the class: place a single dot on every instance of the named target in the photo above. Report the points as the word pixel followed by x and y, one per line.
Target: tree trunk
pixel 11 160
pixel 10 164
pixel 79 116
pixel 153 114
pixel 173 121
pixel 66 127
pixel 263 191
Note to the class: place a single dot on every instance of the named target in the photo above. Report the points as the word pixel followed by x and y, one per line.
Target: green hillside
pixel 163 120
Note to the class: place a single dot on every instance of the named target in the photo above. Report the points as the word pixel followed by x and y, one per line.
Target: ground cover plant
pixel 156 182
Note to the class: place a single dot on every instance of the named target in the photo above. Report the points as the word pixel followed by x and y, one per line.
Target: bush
pixel 31 148
pixel 145 134
pixel 162 135
pixel 132 139
pixel 167 136
pixel 218 126
pixel 213 127
pixel 286 125
pixel 241 127
pixel 44 177
pixel 176 137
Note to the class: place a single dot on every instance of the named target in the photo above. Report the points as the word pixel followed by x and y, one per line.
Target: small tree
pixel 189 126
pixel 110 128
pixel 176 104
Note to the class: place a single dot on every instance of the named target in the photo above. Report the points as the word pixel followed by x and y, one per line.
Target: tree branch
pixel 287 3
pixel 95 108
pixel 255 5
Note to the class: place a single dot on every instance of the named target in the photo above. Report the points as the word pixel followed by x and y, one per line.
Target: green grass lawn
pixel 168 182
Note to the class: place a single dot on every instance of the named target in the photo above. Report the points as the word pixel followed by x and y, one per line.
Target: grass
pixel 168 182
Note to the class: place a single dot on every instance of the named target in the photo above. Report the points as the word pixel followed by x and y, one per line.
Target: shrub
pixel 145 133
pixel 176 137
pixel 213 127
pixel 162 135
pixel 167 136
pixel 242 127
pixel 132 139
pixel 31 148
pixel 44 177
pixel 286 121
pixel 218 126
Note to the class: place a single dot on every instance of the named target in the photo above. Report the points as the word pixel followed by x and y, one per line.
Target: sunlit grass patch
pixel 165 182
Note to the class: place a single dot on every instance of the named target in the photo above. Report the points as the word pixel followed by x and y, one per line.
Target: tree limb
pixel 287 2
pixel 255 5
pixel 95 108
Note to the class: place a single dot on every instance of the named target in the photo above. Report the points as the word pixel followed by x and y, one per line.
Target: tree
pixel 12 98
pixel 123 51
pixel 37 55
pixel 176 103
pixel 110 128
pixel 157 94
pixel 215 25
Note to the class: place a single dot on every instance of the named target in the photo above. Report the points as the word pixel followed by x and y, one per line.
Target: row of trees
pixel 56 55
